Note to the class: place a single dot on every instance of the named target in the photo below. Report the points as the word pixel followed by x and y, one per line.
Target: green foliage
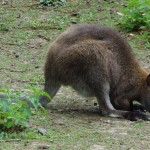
pixel 136 15
pixel 146 35
pixel 52 2
pixel 36 24
pixel 3 27
pixel 14 112
pixel 34 94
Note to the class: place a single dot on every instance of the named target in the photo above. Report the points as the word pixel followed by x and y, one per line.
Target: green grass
pixel 26 30
pixel 82 131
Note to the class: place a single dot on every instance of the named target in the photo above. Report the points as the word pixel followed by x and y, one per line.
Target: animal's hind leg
pixel 124 104
pixel 108 109
pixel 51 87
pixel 101 89
pixel 102 95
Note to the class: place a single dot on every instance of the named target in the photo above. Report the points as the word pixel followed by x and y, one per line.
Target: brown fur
pixel 98 61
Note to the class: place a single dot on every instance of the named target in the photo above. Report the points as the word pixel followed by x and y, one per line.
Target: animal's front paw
pixel 138 107
pixel 134 116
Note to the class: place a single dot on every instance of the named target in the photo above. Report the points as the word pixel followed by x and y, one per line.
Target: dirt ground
pixel 73 122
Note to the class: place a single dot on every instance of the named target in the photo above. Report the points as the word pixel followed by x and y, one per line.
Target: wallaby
pixel 98 61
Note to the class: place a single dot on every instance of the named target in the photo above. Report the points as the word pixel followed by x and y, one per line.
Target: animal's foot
pixel 135 116
pixel 138 107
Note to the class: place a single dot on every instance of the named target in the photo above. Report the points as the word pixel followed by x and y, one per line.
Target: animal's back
pixel 108 38
pixel 89 43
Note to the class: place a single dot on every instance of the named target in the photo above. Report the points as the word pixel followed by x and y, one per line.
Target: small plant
pixel 3 27
pixel 52 2
pixel 34 24
pixel 14 112
pixel 136 15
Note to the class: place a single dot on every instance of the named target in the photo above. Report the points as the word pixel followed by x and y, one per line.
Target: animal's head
pixel 145 96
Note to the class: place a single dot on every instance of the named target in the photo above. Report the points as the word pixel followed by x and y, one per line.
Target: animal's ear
pixel 148 80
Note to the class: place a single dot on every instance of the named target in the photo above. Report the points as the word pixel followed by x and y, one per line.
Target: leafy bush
pixel 136 15
pixel 52 2
pixel 14 112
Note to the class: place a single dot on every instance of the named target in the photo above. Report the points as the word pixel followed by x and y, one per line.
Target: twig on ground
pixel 11 140
pixel 12 70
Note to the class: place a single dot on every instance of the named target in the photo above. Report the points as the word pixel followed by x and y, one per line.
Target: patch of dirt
pixel 97 147
pixel 36 145
pixel 35 43
pixel 146 64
